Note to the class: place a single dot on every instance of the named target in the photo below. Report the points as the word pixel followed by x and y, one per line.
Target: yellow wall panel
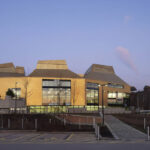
pixel 78 92
pixel 34 91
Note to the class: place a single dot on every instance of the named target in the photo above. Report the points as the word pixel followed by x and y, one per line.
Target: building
pixel 140 100
pixel 53 84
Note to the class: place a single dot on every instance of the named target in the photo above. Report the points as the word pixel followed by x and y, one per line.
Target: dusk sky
pixel 108 32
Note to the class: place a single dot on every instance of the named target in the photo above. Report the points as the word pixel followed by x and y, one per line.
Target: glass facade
pixel 112 95
pixel 92 94
pixel 116 98
pixel 56 92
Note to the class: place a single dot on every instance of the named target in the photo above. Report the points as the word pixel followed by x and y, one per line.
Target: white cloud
pixel 125 57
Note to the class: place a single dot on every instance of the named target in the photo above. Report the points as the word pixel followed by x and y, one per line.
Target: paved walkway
pixel 116 110
pixel 124 131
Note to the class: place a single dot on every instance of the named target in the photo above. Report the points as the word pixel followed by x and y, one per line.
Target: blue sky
pixel 108 32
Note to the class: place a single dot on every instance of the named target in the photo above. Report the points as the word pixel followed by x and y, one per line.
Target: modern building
pixel 53 84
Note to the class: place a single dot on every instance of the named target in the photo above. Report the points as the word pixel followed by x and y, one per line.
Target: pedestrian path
pixel 123 131
pixel 118 110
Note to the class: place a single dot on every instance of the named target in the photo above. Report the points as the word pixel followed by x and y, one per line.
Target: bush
pixel 10 93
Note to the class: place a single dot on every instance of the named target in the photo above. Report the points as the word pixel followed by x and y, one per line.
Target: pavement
pixel 104 146
pixel 123 131
pixel 116 110
pixel 33 137
pixel 14 137
pixel 125 135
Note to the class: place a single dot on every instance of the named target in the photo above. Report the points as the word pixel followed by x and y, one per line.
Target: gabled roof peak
pixel 101 69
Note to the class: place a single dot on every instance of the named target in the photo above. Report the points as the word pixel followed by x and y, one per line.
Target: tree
pixel 10 93
pixel 133 88
pixel 146 87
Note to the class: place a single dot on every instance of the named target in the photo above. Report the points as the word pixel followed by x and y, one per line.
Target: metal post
pixel 103 105
pixel 148 133
pixel 2 121
pixel 64 122
pixel 22 123
pixel 8 123
pixel 16 95
pixel 35 123
pixel 98 132
pixel 87 120
pixel 144 123
pixel 93 122
pixel 50 121
pixel 2 124
pixel 79 123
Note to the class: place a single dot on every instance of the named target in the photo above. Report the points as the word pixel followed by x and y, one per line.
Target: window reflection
pixel 92 90
pixel 17 92
pixel 56 92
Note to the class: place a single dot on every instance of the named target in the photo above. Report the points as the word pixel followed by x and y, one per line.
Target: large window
pixel 92 94
pixel 56 92
pixel 115 98
pixel 112 95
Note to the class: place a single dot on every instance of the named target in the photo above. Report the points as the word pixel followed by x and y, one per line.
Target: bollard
pixel 50 121
pixel 22 123
pixel 64 122
pixel 35 123
pixel 2 126
pixel 144 123
pixel 8 123
pixel 93 122
pixel 96 130
pixel 98 137
pixel 79 123
pixel 87 120
pixel 148 133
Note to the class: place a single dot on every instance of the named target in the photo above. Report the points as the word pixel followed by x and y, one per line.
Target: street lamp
pixel 16 94
pixel 102 85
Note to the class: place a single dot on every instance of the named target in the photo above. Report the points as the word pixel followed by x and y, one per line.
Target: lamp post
pixel 103 102
pixel 16 94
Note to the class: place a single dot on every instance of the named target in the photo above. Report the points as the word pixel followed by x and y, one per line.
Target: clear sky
pixel 108 32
